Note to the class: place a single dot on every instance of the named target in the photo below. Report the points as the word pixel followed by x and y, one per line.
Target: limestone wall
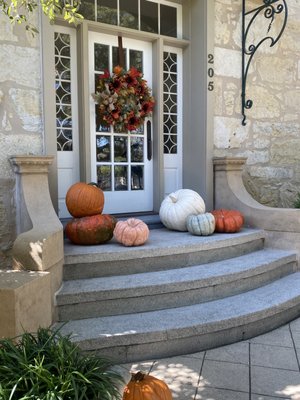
pixel 20 116
pixel 271 138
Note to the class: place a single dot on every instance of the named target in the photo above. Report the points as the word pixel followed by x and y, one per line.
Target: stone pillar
pixel 39 245
pixel 223 168
pixel 282 225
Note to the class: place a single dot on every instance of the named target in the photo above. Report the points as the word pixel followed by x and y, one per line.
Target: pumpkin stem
pixel 173 198
pixel 93 184
pixel 139 376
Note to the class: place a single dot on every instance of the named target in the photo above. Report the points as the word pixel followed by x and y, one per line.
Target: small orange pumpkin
pixel 84 199
pixel 95 229
pixel 132 232
pixel 146 387
pixel 228 221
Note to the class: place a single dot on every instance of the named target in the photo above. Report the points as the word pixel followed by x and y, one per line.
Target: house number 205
pixel 210 72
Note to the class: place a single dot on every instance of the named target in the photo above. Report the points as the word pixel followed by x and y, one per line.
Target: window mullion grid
pixel 139 15
pixel 159 19
pixel 118 11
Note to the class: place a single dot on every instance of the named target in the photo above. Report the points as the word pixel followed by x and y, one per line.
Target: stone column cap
pixel 31 164
pixel 229 163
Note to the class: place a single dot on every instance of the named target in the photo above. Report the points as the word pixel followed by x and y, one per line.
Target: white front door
pixel 121 162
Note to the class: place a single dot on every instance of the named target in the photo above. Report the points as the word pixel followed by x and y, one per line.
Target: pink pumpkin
pixel 132 232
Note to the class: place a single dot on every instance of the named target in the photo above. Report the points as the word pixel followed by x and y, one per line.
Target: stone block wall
pixel 271 138
pixel 21 129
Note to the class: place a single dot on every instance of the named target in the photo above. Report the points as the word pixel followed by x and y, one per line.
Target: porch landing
pixel 177 294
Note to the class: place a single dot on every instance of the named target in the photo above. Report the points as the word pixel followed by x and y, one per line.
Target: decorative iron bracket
pixel 269 9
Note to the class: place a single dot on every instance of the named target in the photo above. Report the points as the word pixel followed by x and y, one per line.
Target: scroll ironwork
pixel 269 10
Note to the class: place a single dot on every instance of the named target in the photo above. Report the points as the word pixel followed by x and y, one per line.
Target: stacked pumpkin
pixel 85 203
pixel 184 210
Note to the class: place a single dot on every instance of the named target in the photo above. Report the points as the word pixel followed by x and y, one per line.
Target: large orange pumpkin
pixel 146 387
pixel 132 232
pixel 83 200
pixel 95 229
pixel 228 221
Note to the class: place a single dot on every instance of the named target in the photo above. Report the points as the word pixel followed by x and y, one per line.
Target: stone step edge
pixel 204 318
pixel 65 297
pixel 113 251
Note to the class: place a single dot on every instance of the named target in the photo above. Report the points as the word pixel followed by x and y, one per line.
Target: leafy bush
pixel 297 201
pixel 48 366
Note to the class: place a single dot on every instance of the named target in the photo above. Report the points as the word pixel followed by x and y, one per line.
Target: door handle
pixel 149 141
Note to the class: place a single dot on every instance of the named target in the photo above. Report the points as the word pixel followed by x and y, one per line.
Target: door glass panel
pixel 99 127
pixel 170 82
pixel 170 144
pixel 101 57
pixel 136 59
pixel 170 62
pixel 170 103
pixel 170 123
pixel 137 177
pixel 64 118
pixel 103 148
pixel 170 134
pixel 63 92
pixel 64 140
pixel 149 16
pixel 168 20
pixel 139 130
pixel 120 149
pixel 107 11
pixel 115 55
pixel 129 14
pixel 121 180
pixel 137 149
pixel 62 68
pixel 62 45
pixel 104 177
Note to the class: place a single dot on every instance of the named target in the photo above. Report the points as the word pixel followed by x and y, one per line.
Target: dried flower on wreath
pixel 124 99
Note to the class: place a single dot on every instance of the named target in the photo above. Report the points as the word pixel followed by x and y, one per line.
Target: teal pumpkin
pixel 201 224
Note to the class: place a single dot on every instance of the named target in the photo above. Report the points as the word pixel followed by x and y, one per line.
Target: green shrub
pixel 48 366
pixel 297 201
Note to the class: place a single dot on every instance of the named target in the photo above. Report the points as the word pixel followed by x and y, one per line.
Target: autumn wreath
pixel 124 99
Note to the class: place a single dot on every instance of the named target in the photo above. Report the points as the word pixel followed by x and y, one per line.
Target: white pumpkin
pixel 201 224
pixel 177 206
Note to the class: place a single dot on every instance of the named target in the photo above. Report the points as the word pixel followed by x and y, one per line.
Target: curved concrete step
pixel 164 248
pixel 192 328
pixel 115 295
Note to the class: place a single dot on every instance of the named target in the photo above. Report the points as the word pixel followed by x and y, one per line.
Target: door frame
pixel 198 23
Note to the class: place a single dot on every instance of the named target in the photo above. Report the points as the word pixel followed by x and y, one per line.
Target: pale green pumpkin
pixel 201 224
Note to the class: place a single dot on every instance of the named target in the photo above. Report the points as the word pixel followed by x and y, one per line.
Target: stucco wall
pixel 271 138
pixel 20 116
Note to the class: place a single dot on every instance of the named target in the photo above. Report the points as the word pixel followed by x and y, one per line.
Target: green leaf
pixel 18 11
pixel 48 366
